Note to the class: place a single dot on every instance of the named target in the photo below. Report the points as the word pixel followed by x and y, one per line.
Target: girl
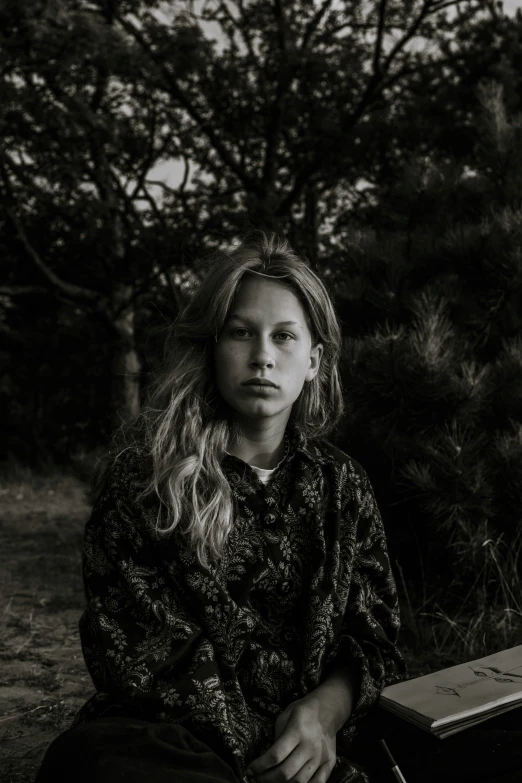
pixel 241 613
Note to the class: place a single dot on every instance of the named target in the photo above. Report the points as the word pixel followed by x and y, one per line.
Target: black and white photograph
pixel 260 391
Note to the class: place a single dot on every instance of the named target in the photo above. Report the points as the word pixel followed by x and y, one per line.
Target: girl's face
pixel 266 336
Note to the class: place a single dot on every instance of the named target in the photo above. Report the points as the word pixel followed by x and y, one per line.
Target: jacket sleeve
pixel 136 636
pixel 367 642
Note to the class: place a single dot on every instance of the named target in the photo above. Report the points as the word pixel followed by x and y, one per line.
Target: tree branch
pixel 147 163
pixel 246 37
pixel 183 183
pixel 378 43
pixel 72 290
pixel 439 6
pixel 276 110
pixel 19 172
pixel 10 334
pixel 162 185
pixel 157 212
pixel 22 290
pixel 409 34
pixel 314 24
pixel 376 84
pixel 205 125
pixel 137 290
pixel 127 199
pixel 240 28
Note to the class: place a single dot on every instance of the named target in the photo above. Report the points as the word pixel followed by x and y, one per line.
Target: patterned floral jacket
pixel 304 584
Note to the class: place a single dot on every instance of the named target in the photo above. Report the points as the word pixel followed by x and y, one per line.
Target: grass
pixel 489 614
pixel 43 680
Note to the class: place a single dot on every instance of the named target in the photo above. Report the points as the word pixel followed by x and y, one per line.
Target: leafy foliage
pixel 286 115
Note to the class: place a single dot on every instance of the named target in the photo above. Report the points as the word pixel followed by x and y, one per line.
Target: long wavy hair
pixel 185 426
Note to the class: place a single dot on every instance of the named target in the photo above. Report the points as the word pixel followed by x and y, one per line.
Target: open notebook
pixel 456 698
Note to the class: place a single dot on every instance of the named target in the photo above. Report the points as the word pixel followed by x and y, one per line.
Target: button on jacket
pixel 304 584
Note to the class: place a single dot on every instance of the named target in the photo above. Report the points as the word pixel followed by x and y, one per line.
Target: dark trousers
pixel 124 750
pixel 109 750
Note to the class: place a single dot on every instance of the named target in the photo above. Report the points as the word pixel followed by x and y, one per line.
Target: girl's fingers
pixel 288 770
pixel 283 748
pixel 321 774
pixel 307 772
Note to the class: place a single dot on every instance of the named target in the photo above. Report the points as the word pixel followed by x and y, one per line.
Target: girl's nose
pixel 262 361
pixel 261 354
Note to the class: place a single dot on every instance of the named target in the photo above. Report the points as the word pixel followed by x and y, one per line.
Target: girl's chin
pixel 261 405
pixel 258 407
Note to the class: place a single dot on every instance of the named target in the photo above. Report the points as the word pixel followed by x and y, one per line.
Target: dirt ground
pixel 43 679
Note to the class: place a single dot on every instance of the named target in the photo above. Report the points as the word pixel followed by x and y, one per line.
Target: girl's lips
pixel 258 387
pixel 259 382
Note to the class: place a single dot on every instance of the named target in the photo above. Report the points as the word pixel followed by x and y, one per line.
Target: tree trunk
pixel 310 226
pixel 127 365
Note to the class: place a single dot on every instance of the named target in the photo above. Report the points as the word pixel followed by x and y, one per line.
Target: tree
pixel 293 101
pixel 432 301
pixel 275 123
pixel 80 133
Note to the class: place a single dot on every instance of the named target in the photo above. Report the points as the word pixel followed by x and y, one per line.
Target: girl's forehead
pixel 268 301
pixel 253 289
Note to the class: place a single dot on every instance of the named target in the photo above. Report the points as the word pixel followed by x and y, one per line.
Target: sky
pixel 171 172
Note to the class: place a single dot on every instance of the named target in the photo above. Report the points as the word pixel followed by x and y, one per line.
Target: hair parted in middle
pixel 185 425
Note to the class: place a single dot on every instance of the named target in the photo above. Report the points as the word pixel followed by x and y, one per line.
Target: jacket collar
pixel 310 448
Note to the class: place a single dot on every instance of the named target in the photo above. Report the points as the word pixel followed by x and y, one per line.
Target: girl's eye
pixel 285 334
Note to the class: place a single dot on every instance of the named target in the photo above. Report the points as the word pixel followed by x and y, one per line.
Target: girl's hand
pixel 304 750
